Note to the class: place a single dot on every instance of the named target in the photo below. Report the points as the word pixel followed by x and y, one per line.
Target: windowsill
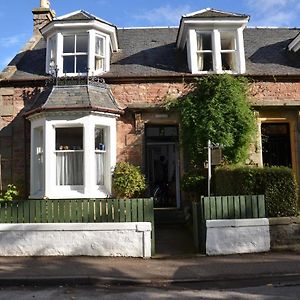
pixel 216 72
pixel 100 151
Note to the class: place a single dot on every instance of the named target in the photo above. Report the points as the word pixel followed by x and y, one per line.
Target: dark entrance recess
pixel 162 164
pixel 276 144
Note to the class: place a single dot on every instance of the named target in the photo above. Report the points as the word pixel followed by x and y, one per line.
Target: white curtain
pixel 69 168
pixel 100 168
pixel 200 55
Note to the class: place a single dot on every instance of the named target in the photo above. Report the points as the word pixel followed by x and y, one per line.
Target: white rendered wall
pixel 237 236
pixel 88 239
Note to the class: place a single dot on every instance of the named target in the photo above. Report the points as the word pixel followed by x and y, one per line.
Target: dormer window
pixel 213 41
pixel 79 44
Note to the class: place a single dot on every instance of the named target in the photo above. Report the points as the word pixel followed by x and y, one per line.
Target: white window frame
pixel 239 55
pixel 75 54
pixel 205 50
pixel 99 56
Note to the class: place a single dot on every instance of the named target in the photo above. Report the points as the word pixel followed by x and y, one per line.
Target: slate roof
pixel 152 52
pixel 93 97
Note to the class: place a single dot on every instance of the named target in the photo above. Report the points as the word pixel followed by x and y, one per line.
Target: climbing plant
pixel 217 108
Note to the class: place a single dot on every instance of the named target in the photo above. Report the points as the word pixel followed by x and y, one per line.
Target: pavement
pixel 162 270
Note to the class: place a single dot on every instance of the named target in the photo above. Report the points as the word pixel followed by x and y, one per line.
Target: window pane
pixel 205 62
pixel 69 64
pixel 69 138
pixel 52 45
pixel 204 41
pixel 228 41
pixel 100 168
pixel 69 44
pixel 99 139
pixel 81 64
pixel 228 61
pixel 99 48
pixel 82 43
pixel 99 63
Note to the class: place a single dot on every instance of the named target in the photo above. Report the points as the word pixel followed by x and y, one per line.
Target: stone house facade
pixel 83 94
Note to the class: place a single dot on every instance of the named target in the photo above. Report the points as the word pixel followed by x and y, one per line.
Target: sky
pixel 16 15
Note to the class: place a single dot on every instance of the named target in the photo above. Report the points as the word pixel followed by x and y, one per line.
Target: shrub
pixel 128 181
pixel 278 184
pixel 10 193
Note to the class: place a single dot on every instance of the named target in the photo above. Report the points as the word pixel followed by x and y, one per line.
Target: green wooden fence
pixel 224 207
pixel 79 211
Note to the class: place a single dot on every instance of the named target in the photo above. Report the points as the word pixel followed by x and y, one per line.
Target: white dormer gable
pixel 78 44
pixel 214 41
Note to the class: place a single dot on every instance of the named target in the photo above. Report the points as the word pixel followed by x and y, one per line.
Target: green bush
pixel 278 184
pixel 10 193
pixel 128 181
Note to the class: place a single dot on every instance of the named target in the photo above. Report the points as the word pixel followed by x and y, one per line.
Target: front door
pixel 162 161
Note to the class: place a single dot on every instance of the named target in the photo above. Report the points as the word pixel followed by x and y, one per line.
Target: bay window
pixel 72 156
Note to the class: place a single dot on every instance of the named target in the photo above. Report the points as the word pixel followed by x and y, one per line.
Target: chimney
pixel 42 16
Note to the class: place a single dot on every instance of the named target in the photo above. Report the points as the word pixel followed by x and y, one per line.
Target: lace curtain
pixel 69 168
pixel 100 168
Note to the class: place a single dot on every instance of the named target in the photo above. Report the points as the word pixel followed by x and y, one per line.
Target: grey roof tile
pixel 94 96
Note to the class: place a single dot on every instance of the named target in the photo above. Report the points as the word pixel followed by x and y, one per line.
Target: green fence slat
pixel 2 213
pixel 79 211
pixel 55 206
pixel 61 210
pixel 44 211
pixel 14 211
pixel 261 206
pixel 254 200
pixel 116 210
pixel 213 208
pixel 38 217
pixel 97 211
pixel 134 210
pixel 26 211
pixel 230 207
pixel 225 207
pixel 73 211
pixel 85 211
pixel 18 206
pixel 67 205
pixel 32 211
pixel 104 210
pixel 248 207
pixel 219 209
pixel 49 211
pixel 7 213
pixel 147 217
pixel 122 210
pixel 128 210
pixel 91 217
pixel 109 211
pixel 237 207
pixel 243 207
pixel 206 205
pixel 140 210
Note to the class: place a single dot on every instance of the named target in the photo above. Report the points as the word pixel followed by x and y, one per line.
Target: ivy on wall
pixel 217 108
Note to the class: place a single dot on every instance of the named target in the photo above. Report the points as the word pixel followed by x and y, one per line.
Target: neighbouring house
pixel 83 94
